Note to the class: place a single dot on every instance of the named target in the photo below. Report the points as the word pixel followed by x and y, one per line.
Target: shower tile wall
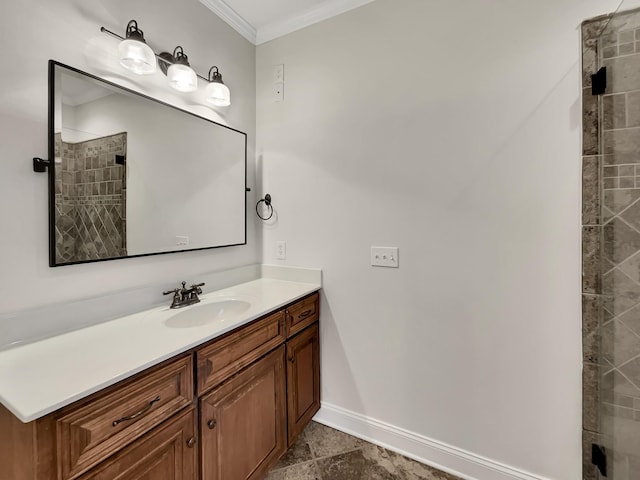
pixel 90 199
pixel 611 246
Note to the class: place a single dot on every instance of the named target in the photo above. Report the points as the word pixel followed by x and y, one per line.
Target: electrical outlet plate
pixel 384 257
pixel 281 250
pixel 278 92
pixel 182 240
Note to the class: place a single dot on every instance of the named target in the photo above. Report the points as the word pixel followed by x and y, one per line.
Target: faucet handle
pixel 196 287
pixel 169 292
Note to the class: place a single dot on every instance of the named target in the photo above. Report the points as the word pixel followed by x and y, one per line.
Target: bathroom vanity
pixel 225 408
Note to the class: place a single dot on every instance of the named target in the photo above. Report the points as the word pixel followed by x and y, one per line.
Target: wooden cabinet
pixel 66 444
pixel 167 453
pixel 243 422
pixel 303 380
pixel 254 391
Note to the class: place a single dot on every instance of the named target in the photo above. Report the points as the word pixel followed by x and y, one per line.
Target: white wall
pixel 68 31
pixel 450 129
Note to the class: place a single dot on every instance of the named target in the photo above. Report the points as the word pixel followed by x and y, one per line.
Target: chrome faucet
pixel 184 296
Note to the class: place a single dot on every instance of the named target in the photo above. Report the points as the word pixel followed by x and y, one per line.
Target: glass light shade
pixel 182 78
pixel 137 56
pixel 218 94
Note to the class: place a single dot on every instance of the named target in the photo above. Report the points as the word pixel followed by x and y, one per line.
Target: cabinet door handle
pixel 292 359
pixel 211 424
pixel 137 414
pixel 304 314
pixel 191 442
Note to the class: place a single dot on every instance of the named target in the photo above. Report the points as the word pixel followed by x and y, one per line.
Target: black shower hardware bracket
pixel 267 201
pixel 599 458
pixel 40 165
pixel 599 82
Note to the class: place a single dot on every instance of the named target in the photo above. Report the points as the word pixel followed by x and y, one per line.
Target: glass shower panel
pixel 618 136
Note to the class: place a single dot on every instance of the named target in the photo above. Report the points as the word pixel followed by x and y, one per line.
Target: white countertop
pixel 41 377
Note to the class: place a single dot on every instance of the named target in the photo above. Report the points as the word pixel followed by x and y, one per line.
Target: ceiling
pixel 77 90
pixel 265 20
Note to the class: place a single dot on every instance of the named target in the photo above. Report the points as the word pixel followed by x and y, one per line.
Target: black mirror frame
pixel 51 167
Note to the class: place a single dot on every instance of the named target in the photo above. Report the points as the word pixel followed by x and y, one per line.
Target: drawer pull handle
pixel 305 314
pixel 211 424
pixel 191 442
pixel 137 414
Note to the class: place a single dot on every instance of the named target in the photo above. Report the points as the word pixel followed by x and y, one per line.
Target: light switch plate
pixel 278 74
pixel 384 257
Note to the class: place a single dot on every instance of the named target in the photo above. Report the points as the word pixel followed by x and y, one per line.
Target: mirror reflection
pixel 133 176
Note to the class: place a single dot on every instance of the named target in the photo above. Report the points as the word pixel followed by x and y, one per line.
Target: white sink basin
pixel 207 313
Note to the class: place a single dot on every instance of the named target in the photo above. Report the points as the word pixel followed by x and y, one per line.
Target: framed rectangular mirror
pixel 133 176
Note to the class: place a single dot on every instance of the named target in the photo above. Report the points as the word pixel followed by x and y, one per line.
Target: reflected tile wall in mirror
pixel 90 199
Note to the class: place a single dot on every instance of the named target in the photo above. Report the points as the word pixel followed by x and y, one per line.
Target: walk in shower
pixel 611 245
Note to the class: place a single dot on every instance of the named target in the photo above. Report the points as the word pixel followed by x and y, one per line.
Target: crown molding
pixel 283 27
pixel 304 19
pixel 229 15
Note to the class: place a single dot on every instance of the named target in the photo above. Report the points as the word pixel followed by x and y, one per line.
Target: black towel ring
pixel 267 202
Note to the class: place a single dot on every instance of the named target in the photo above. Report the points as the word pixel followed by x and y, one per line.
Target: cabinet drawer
pixel 89 433
pixel 228 355
pixel 302 314
pixel 167 452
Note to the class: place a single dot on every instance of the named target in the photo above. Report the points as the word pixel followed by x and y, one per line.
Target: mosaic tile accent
pixel 611 246
pixel 90 199
pixel 621 176
pixel 621 43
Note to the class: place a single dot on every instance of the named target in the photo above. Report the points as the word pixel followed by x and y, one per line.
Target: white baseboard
pixel 447 458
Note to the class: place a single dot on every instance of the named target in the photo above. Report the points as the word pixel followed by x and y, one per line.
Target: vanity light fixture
pixel 180 74
pixel 217 92
pixel 134 53
pixel 137 56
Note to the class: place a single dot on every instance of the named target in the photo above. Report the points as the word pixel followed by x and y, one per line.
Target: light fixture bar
pixel 164 60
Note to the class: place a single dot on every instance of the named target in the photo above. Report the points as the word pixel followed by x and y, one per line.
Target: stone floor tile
pixel 301 471
pixel 323 453
pixel 362 464
pixel 381 456
pixel 326 441
pixel 299 452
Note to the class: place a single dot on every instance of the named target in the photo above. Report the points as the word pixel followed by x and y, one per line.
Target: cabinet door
pixel 303 380
pixel 166 453
pixel 243 422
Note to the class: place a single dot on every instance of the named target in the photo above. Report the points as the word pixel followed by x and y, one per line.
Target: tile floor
pixel 322 453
